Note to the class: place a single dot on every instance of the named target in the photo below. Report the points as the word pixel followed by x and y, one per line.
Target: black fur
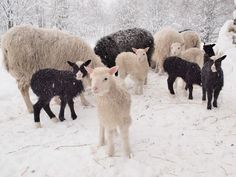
pixel 212 82
pixel 110 46
pixel 209 49
pixel 47 83
pixel 189 72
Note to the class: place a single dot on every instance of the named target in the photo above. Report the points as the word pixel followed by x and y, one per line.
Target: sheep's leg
pixel 124 130
pixel 161 69
pixel 101 136
pixel 72 110
pixel 170 82
pixel 110 143
pixel 62 110
pixel 209 98
pixel 145 81
pixel 83 100
pixel 37 108
pixel 190 89
pixel 216 94
pixel 25 94
pixel 141 83
pixel 50 113
pixel 136 83
pixel 156 67
pixel 203 93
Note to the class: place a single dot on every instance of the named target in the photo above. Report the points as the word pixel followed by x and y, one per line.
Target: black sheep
pixel 208 49
pixel 212 79
pixel 110 46
pixel 47 83
pixel 189 72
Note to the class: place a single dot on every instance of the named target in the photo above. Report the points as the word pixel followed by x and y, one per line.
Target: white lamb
pixel 135 65
pixel 113 106
pixel 194 55
pixel 163 40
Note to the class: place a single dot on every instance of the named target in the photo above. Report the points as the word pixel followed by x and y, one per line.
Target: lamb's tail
pixel 5 59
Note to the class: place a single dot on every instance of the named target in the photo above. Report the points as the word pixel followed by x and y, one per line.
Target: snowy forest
pixel 92 19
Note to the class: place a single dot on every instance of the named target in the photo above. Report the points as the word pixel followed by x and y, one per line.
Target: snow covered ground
pixel 169 136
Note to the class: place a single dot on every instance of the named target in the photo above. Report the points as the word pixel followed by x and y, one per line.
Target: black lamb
pixel 47 83
pixel 212 79
pixel 110 46
pixel 208 49
pixel 189 72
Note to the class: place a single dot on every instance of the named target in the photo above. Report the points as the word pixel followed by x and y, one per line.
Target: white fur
pixel 135 65
pixel 191 39
pixel 194 55
pixel 163 40
pixel 113 106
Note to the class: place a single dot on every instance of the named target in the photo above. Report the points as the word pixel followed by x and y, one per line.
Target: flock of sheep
pixel 55 63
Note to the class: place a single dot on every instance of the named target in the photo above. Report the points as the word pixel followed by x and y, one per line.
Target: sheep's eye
pixel 144 54
pixel 105 79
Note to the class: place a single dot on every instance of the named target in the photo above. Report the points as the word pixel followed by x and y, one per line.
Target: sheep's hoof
pixel 203 99
pixel 30 110
pixel 129 155
pixel 38 125
pixel 111 152
pixel 209 107
pixel 215 104
pixel 100 144
pixel 85 103
pixel 190 98
pixel 74 117
pixel 54 119
pixel 62 119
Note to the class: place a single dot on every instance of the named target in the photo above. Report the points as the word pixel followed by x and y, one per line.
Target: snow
pixel 170 136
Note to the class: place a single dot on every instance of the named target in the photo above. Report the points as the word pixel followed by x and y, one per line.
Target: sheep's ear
pixel 221 58
pixel 113 70
pixel 87 62
pixel 146 49
pixel 134 49
pixel 212 45
pixel 70 63
pixel 88 69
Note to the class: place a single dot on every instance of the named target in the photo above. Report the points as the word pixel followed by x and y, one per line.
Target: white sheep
pixel 163 40
pixel 194 55
pixel 113 106
pixel 191 39
pixel 135 65
pixel 27 49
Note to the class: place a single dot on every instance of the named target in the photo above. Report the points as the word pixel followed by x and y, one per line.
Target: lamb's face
pixel 101 79
pixel 176 48
pixel 215 64
pixel 78 68
pixel 141 54
pixel 209 49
